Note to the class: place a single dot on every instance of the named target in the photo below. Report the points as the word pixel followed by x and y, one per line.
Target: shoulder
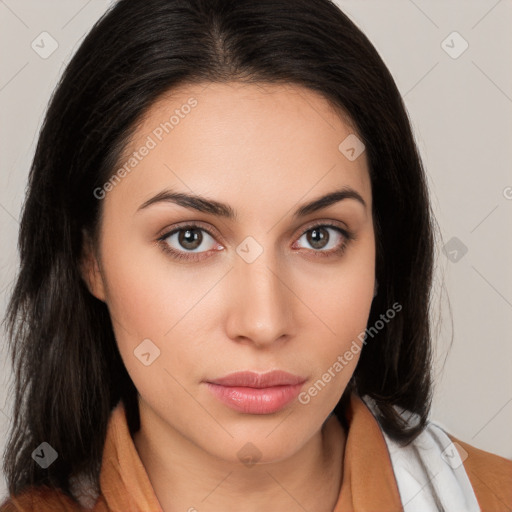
pixel 437 468
pixel 490 476
pixel 40 499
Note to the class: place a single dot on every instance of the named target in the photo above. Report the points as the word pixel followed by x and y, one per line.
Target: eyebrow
pixel 219 209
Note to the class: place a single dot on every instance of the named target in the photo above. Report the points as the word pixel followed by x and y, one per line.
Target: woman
pixel 226 261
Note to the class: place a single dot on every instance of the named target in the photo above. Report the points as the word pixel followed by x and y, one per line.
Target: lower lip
pixel 255 400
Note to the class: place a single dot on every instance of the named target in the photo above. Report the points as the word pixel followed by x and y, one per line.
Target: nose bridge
pixel 260 300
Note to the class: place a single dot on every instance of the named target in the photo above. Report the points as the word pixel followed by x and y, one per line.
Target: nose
pixel 261 303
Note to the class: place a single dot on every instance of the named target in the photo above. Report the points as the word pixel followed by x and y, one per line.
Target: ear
pixel 90 268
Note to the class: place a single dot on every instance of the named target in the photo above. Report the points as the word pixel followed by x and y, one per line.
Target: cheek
pixel 145 293
pixel 151 299
pixel 342 306
pixel 341 297
pixel 148 305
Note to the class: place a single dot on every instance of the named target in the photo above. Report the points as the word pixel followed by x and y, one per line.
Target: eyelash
pixel 182 255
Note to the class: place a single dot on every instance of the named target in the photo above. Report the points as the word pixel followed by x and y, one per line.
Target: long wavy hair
pixel 68 373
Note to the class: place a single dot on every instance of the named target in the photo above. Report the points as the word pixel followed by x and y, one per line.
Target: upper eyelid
pixel 328 223
pixel 195 224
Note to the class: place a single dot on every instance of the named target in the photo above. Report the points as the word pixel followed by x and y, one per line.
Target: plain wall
pixel 460 107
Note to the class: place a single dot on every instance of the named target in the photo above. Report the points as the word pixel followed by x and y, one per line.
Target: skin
pixel 264 150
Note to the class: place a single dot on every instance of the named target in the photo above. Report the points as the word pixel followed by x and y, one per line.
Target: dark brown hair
pixel 68 371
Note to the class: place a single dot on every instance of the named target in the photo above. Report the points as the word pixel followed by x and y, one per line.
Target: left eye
pixel 190 239
pixel 320 238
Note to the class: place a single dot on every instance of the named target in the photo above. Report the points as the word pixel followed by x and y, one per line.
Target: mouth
pixel 257 393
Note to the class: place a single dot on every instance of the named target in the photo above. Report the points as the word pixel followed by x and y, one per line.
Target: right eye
pixel 185 242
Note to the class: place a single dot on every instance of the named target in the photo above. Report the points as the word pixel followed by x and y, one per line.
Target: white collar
pixel 429 471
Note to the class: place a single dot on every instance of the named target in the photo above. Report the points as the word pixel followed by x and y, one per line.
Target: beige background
pixel 461 113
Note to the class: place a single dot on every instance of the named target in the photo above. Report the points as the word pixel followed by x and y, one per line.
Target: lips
pixel 256 393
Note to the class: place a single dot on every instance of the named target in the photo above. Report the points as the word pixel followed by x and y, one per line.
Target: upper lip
pixel 259 380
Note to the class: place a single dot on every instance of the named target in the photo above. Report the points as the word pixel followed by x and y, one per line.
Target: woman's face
pixel 260 283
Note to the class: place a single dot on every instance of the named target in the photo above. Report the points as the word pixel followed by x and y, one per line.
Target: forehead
pixel 271 140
